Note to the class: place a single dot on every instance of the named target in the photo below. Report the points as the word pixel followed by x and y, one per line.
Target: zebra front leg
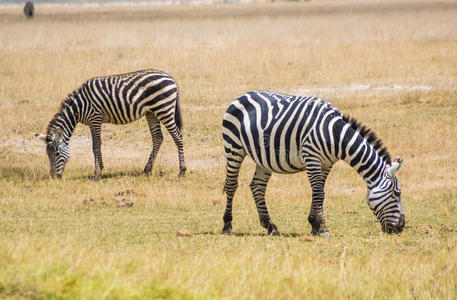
pixel 95 130
pixel 258 188
pixel 157 138
pixel 317 176
pixel 234 161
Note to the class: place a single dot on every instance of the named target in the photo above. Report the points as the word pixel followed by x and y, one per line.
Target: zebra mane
pixel 51 125
pixel 370 137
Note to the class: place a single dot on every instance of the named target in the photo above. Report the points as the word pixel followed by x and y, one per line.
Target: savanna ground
pixel 391 64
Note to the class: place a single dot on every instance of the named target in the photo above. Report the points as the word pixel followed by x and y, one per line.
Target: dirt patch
pixel 207 162
pixel 34 144
pixel 24 145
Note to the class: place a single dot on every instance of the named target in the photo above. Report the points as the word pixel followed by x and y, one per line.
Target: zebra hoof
pixel 227 230
pixel 182 172
pixel 272 230
pixel 275 233
pixel 325 234
pixel 147 171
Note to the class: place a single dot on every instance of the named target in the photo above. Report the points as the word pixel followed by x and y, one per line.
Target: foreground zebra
pixel 117 99
pixel 288 134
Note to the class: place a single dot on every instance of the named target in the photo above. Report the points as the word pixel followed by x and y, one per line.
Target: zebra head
pixel 58 153
pixel 384 199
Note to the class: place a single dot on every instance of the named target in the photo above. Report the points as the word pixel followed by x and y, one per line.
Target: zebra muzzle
pixel 395 227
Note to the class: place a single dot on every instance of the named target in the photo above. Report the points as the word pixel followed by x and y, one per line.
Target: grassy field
pixel 391 64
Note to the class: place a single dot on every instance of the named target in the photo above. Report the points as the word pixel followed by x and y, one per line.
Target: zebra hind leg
pixel 170 124
pixel 234 161
pixel 157 138
pixel 258 188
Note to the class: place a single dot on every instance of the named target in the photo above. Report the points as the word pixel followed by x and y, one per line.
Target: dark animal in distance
pixel 29 9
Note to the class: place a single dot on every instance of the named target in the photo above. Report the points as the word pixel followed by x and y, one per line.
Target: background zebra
pixel 117 99
pixel 29 9
pixel 289 134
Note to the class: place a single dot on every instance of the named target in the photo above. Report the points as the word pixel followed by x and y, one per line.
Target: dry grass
pixel 70 238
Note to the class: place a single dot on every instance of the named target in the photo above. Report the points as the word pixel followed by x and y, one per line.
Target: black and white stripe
pixel 288 134
pixel 117 99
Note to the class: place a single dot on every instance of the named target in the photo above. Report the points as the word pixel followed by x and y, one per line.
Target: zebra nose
pixel 402 221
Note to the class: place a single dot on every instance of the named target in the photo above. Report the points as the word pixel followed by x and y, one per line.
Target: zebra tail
pixel 178 115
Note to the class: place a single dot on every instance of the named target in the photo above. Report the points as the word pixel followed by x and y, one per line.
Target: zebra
pixel 117 99
pixel 289 134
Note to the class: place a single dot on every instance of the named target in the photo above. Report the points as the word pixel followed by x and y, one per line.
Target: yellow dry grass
pixel 391 64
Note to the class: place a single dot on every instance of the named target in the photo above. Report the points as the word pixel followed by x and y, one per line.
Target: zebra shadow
pixel 250 234
pixel 128 173
pixel 112 174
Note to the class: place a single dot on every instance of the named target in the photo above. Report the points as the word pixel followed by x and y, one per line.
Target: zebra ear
pixel 394 167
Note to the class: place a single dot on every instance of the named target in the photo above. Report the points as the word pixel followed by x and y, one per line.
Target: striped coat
pixel 288 134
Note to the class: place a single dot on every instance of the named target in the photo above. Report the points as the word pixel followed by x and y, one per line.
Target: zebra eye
pixel 397 193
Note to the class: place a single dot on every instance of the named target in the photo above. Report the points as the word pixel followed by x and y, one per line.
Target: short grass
pixel 72 239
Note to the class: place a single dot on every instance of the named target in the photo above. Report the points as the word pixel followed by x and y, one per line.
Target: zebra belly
pixel 121 122
pixel 285 160
pixel 120 117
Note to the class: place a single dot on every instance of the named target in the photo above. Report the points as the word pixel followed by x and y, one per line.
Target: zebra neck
pixel 63 124
pixel 63 130
pixel 362 157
